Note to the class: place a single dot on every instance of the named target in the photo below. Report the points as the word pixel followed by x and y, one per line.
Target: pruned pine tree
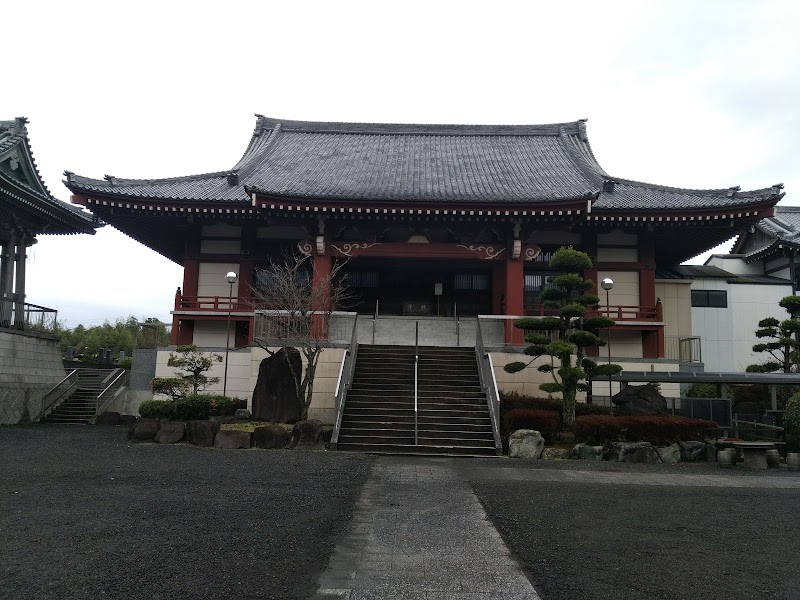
pixel 193 365
pixel 564 337
pixel 296 306
pixel 781 348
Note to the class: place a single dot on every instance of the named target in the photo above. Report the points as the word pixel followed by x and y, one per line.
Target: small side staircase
pixel 453 417
pixel 81 406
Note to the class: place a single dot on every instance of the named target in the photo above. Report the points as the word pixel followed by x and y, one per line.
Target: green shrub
pixel 157 409
pixel 514 401
pixel 791 415
pixel 546 422
pixel 702 390
pixel 193 408
pixel 599 430
pixel 582 409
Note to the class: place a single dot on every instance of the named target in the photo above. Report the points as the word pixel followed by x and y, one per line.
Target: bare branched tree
pixel 294 306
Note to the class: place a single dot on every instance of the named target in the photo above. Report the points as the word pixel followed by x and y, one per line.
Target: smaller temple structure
pixel 30 358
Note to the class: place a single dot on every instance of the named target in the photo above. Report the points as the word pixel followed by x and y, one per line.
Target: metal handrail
pixel 345 381
pixel 374 321
pixel 119 381
pixel 489 385
pixel 416 383
pixel 458 324
pixel 56 394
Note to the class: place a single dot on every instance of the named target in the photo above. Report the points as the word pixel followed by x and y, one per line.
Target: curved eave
pixel 53 219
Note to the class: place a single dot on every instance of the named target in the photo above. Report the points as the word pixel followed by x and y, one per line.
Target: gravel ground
pixel 596 541
pixel 86 514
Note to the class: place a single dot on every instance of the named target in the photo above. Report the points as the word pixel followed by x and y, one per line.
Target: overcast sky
pixel 689 94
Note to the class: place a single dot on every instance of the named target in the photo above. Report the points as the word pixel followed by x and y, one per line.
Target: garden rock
pixel 171 432
pixel 108 418
pixel 670 455
pixel 525 443
pixel 270 437
pixel 229 439
pixel 587 452
pixel 639 401
pixel 146 430
pixel 201 433
pixel 693 451
pixel 308 435
pixel 242 414
pixel 635 452
pixel 555 454
pixel 275 395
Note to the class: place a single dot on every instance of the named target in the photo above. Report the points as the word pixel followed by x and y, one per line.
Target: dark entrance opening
pixel 410 286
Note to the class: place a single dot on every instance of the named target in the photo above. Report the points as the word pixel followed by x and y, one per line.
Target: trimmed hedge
pixel 599 430
pixel 546 422
pixel 157 409
pixel 514 401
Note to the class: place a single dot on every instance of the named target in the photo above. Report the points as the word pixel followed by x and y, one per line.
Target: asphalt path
pixel 86 514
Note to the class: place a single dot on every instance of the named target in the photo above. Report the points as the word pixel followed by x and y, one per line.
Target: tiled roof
pixel 783 228
pixel 24 188
pixel 519 164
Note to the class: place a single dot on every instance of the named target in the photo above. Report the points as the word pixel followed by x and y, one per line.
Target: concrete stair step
pixel 420 450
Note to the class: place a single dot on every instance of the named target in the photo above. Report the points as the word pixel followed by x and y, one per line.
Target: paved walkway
pixel 419 533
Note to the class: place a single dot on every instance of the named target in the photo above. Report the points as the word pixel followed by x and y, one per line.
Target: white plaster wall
pixel 323 399
pixel 733 263
pixel 220 246
pixel 238 381
pixel 617 255
pixel 617 238
pixel 29 367
pixel 625 291
pixel 221 230
pixel 714 326
pixel 527 381
pixel 750 304
pixel 211 334
pixel 676 305
pixel 211 279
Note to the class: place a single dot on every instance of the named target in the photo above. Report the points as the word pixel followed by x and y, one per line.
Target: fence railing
pixel 683 349
pixel 713 409
pixel 489 386
pixel 60 391
pixel 280 327
pixel 214 303
pixel 346 371
pixel 115 381
pixel 618 313
pixel 27 317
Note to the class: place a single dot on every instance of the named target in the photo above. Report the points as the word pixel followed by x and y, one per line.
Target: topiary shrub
pixel 196 407
pixel 599 430
pixel 546 422
pixel 157 409
pixel 581 410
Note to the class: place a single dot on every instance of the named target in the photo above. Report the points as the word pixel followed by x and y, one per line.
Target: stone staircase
pixel 81 406
pixel 452 414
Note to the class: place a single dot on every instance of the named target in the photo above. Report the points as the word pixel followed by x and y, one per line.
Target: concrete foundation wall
pixel 29 367
pixel 238 385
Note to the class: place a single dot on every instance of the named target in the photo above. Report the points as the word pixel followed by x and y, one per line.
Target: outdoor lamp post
pixel 230 277
pixel 607 284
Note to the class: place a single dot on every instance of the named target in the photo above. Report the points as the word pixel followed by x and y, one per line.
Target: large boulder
pixel 145 430
pixel 171 432
pixel 270 437
pixel 108 418
pixel 693 451
pixel 525 443
pixel 229 439
pixel 242 414
pixel 670 455
pixel 711 453
pixel 587 452
pixel 555 454
pixel 308 435
pixel 639 401
pixel 202 433
pixel 634 452
pixel 275 395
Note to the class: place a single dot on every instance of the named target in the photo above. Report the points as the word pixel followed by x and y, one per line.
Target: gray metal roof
pixel 706 377
pixel 23 192
pixel 519 164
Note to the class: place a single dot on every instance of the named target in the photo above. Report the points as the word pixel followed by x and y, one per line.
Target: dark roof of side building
pixel 512 164
pixel 691 272
pixel 771 234
pixel 24 194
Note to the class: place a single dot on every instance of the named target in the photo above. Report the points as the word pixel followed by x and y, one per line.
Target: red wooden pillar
pixel 321 283
pixel 514 299
pixel 652 341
